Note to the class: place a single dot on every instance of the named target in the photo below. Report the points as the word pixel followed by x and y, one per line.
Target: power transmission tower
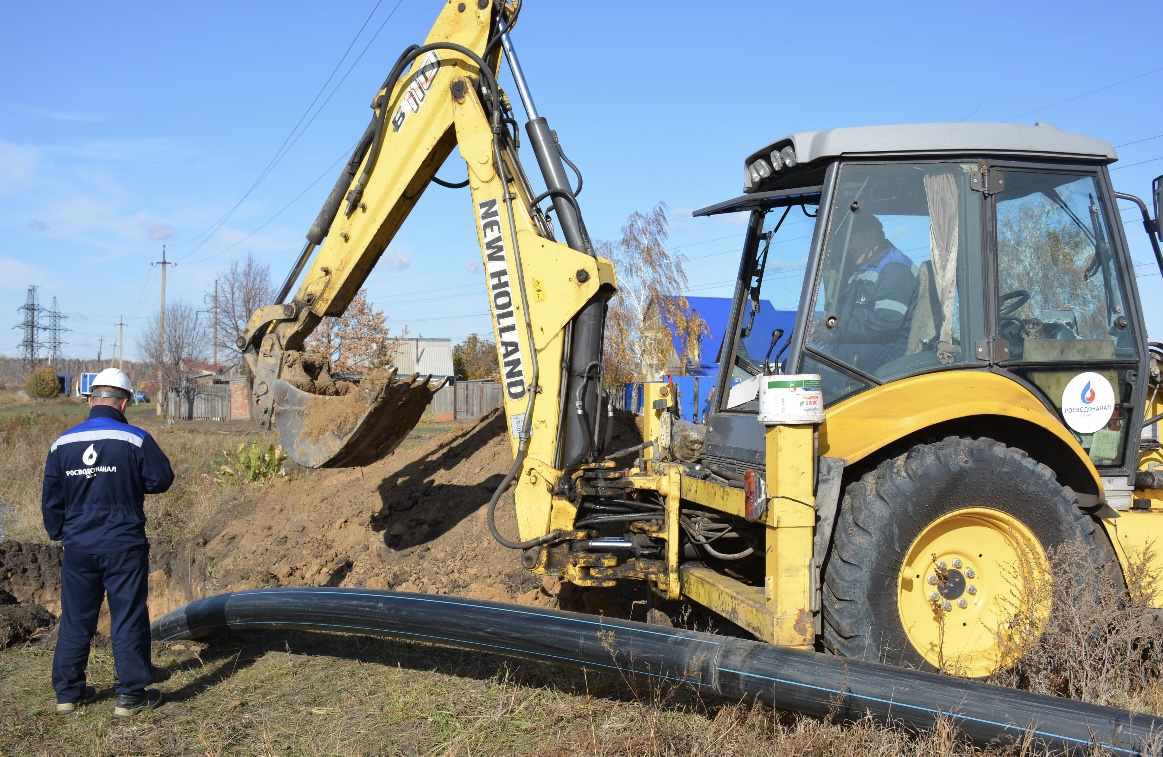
pixel 161 331
pixel 55 329
pixel 30 326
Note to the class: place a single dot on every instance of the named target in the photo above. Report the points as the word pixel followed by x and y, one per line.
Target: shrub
pixel 1100 643
pixel 42 384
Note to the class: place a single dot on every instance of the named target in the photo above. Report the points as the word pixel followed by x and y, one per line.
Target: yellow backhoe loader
pixel 968 386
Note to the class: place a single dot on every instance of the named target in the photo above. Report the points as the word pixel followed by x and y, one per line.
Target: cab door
pixel 1063 312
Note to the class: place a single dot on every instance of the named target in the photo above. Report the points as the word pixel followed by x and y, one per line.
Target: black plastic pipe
pixel 790 679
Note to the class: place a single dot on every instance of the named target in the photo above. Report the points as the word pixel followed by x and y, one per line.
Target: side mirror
pixel 1157 191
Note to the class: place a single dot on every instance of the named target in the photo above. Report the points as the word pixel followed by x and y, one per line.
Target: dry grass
pixel 196 450
pixel 1101 643
pixel 291 693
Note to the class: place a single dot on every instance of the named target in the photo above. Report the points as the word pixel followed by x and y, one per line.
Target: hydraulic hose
pixel 811 683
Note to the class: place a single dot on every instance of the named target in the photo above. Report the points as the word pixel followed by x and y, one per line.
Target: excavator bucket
pixel 353 429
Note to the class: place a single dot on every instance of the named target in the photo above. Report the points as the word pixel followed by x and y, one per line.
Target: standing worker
pixel 95 481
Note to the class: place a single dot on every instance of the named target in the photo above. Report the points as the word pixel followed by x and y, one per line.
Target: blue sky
pixel 130 125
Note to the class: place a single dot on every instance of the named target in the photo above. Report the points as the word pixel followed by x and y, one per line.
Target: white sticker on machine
pixel 517 423
pixel 1088 402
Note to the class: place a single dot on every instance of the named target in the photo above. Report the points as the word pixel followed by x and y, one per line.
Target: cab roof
pixel 1011 140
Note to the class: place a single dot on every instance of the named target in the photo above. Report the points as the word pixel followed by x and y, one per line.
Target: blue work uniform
pixel 876 309
pixel 95 481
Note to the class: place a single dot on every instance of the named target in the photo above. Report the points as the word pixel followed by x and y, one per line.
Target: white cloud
pixel 59 115
pixel 159 231
pixel 151 148
pixel 399 261
pixel 17 276
pixel 17 164
pixel 472 266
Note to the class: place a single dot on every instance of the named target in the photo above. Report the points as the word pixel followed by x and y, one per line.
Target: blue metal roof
pixel 716 311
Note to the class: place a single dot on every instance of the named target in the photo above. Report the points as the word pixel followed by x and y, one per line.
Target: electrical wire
pixel 292 138
pixel 1084 94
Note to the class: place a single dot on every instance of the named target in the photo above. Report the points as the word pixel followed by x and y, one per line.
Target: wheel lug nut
pixel 969 573
pixel 934 596
pixel 962 604
pixel 947 606
pixel 932 580
pixel 957 563
pixel 942 565
pixel 971 589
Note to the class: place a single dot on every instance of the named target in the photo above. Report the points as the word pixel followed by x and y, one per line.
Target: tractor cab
pixel 916 250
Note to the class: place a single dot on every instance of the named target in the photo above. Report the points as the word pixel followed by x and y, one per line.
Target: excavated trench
pixel 413 521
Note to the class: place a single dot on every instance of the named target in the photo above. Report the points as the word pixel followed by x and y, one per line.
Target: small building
pixel 423 356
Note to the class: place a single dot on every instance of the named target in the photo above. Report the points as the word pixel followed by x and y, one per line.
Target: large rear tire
pixel 937 551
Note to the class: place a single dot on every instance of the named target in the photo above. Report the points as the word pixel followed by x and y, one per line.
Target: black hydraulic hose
pixel 815 684
pixel 450 184
pixel 413 52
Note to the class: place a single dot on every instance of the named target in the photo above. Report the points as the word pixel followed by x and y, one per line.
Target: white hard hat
pixel 115 378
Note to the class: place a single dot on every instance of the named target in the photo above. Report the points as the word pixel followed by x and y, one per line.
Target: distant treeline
pixel 13 371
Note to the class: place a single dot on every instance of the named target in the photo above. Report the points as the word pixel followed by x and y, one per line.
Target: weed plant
pixel 1100 642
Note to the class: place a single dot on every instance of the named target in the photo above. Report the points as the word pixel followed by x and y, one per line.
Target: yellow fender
pixel 860 426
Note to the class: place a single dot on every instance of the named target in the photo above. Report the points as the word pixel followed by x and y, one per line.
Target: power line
pixel 326 171
pixel 292 138
pixel 1084 94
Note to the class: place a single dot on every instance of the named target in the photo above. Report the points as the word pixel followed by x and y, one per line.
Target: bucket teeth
pixel 354 429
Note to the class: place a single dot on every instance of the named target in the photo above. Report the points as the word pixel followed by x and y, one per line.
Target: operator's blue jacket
pixel 95 481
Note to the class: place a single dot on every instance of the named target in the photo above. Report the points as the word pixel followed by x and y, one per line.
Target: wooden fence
pixel 466 400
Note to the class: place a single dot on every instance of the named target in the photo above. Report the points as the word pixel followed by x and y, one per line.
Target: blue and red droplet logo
pixel 1087 394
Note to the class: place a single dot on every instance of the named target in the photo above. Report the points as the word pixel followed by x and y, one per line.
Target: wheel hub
pixel 953 586
pixel 961 585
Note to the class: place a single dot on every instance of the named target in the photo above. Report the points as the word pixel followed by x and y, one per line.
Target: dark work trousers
pixel 85 580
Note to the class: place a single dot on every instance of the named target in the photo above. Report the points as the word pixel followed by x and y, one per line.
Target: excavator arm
pixel 547 299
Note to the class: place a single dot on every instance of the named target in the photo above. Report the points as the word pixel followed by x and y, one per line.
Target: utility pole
pixel 114 352
pixel 162 330
pixel 100 341
pixel 215 324
pixel 120 341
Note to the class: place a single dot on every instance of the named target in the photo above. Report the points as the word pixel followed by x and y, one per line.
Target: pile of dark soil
pixel 21 622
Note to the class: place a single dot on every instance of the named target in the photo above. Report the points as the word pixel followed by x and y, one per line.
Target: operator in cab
pixel 876 303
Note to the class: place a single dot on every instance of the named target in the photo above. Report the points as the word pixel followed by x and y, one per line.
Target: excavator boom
pixel 441 95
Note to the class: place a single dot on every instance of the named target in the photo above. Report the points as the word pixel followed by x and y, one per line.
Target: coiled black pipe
pixel 807 682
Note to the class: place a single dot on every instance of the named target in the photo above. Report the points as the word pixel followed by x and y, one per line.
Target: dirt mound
pixel 414 522
pixel 32 573
pixel 20 622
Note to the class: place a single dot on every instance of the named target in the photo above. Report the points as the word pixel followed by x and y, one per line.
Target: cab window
pixel 902 251
pixel 1060 294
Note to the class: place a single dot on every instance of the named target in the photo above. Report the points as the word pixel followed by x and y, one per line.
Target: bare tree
pixel 187 342
pixel 649 303
pixel 242 289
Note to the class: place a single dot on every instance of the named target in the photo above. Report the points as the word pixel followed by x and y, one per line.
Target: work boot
pixel 87 695
pixel 129 705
